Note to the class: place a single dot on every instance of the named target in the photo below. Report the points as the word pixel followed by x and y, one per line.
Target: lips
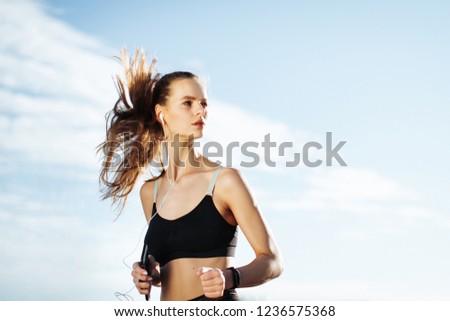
pixel 199 123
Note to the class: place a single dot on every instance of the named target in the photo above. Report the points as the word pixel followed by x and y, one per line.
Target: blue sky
pixel 374 73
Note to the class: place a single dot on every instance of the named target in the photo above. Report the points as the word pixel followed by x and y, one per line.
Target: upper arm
pixel 146 193
pixel 242 204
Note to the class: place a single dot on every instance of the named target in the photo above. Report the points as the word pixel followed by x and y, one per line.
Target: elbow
pixel 275 267
pixel 278 267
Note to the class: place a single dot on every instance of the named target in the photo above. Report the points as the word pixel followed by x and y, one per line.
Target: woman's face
pixel 185 110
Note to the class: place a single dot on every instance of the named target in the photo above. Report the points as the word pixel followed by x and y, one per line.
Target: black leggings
pixel 228 295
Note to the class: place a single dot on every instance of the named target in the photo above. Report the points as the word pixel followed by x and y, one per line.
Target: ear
pixel 158 112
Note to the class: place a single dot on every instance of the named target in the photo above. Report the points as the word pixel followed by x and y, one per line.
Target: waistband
pixel 228 295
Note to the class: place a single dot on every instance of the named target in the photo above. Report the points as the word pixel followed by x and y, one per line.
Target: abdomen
pixel 179 279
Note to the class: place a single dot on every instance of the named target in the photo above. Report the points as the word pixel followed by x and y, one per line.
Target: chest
pixel 200 231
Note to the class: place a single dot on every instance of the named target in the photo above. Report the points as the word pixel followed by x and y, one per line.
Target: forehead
pixel 187 87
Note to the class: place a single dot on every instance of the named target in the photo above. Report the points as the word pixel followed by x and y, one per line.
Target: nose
pixel 201 111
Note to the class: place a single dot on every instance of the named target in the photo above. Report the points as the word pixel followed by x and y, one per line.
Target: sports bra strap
pixel 210 188
pixel 213 180
pixel 155 191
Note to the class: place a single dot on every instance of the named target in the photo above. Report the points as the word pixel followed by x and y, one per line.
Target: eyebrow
pixel 192 98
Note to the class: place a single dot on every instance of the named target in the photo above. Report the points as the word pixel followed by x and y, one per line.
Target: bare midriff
pixel 179 279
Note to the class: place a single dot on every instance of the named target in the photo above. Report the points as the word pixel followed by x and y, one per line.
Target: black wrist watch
pixel 236 277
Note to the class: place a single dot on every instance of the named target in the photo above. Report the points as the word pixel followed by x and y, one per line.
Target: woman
pixel 194 206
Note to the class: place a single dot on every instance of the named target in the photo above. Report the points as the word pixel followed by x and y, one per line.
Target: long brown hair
pixel 133 133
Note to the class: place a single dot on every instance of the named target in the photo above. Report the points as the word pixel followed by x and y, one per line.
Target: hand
pixel 142 280
pixel 213 281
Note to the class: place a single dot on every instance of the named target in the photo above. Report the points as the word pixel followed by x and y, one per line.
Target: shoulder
pixel 146 193
pixel 227 177
pixel 236 194
pixel 230 178
pixel 232 185
pixel 146 190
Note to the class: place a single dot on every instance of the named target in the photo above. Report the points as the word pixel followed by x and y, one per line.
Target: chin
pixel 196 134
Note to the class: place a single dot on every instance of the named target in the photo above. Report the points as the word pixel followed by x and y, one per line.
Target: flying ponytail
pixel 133 133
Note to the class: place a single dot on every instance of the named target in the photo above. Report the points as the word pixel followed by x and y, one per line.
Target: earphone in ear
pixel 161 117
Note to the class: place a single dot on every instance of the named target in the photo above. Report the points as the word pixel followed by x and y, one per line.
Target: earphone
pixel 161 117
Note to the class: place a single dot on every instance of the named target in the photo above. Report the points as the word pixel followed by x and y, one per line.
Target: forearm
pixel 262 269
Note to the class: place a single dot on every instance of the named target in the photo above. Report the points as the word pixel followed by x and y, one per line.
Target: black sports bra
pixel 201 233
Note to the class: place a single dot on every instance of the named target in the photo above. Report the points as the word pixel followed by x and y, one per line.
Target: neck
pixel 182 157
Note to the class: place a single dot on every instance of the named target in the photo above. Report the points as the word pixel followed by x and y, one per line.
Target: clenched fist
pixel 213 281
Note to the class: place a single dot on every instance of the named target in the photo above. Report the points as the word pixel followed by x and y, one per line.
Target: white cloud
pixel 45 56
pixel 231 124
pixel 355 234
pixel 56 87
pixel 446 223
pixel 372 203
pixel 67 255
pixel 352 190
pixel 350 184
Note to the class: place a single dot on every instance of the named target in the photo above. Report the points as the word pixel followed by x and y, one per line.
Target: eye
pixel 188 103
pixel 204 104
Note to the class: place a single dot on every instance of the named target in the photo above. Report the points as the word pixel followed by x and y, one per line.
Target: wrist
pixel 156 277
pixel 228 276
pixel 234 278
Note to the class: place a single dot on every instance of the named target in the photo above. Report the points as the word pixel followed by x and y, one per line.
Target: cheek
pixel 181 124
